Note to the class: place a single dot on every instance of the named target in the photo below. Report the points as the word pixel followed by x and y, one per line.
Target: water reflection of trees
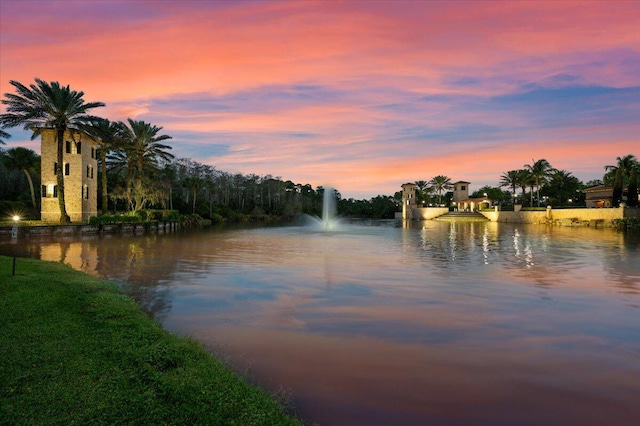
pixel 622 263
pixel 143 265
pixel 456 243
pixel 540 254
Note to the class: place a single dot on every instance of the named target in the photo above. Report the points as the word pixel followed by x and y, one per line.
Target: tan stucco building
pixel 602 196
pixel 461 200
pixel 408 199
pixel 80 171
pixel 598 196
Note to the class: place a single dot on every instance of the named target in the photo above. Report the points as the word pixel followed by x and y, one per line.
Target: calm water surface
pixel 374 324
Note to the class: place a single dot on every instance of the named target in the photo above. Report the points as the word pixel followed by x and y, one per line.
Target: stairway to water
pixel 463 217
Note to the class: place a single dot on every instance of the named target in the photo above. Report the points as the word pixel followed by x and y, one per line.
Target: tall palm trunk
pixel 103 180
pixel 33 192
pixel 64 217
pixel 195 193
pixel 531 194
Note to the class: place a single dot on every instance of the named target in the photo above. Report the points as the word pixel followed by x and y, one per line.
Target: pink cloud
pixel 378 59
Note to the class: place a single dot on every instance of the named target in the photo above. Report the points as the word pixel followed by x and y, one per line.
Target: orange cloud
pixel 402 90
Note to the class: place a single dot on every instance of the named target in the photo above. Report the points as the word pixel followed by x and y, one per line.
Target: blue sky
pixel 363 96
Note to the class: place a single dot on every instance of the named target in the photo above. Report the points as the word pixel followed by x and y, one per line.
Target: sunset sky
pixel 361 95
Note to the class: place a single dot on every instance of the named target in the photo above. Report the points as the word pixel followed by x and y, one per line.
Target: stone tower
pixel 460 191
pixel 408 199
pixel 80 171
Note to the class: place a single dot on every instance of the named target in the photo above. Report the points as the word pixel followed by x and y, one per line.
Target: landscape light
pixel 16 218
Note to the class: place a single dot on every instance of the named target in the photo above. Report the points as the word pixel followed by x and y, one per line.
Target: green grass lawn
pixel 75 350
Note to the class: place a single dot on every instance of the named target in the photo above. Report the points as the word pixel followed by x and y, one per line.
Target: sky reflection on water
pixel 439 323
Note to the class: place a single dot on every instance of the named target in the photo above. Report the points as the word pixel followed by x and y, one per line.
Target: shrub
pixel 112 218
pixel 155 215
pixel 628 223
pixel 216 218
pixel 191 219
pixel 170 215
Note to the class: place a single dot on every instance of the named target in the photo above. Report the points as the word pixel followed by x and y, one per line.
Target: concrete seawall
pixel 68 230
pixel 563 217
pixel 566 217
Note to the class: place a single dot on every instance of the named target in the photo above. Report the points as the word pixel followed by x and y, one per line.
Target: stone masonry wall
pixel 77 183
pixel 560 215
pixel 427 213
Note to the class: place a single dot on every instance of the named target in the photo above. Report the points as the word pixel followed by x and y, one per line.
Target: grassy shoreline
pixel 75 350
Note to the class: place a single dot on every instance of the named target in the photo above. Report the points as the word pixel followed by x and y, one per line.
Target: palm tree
pixel 24 159
pixel 3 135
pixel 109 134
pixel 524 177
pixel 619 175
pixel 510 179
pixel 423 188
pixel 632 189
pixel 625 164
pixel 440 183
pixel 563 185
pixel 140 154
pixel 44 106
pixel 540 171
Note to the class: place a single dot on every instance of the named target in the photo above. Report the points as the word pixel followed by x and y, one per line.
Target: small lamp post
pixel 14 240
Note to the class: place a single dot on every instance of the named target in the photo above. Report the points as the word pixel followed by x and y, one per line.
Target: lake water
pixel 436 323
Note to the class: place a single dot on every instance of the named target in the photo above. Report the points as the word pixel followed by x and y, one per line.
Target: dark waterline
pixel 373 324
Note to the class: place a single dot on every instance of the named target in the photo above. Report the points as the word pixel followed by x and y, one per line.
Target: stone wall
pixel 602 216
pixel 70 230
pixel 81 184
pixel 427 213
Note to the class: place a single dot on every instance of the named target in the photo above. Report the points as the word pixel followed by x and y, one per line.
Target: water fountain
pixel 329 221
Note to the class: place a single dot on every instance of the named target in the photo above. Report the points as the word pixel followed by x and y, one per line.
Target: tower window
pixel 67 169
pixel 50 191
pixel 68 147
pixel 79 148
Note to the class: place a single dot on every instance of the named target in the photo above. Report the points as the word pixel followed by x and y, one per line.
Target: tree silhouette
pixel 43 106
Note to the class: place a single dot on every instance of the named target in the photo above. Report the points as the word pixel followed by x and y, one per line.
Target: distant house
pixel 461 200
pixel 599 196
pixel 602 196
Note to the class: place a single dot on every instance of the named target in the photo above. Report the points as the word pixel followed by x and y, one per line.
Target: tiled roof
pixel 598 188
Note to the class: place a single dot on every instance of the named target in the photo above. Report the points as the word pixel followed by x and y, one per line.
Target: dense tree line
pixel 137 171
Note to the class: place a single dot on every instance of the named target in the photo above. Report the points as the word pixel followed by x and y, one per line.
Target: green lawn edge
pixel 75 350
